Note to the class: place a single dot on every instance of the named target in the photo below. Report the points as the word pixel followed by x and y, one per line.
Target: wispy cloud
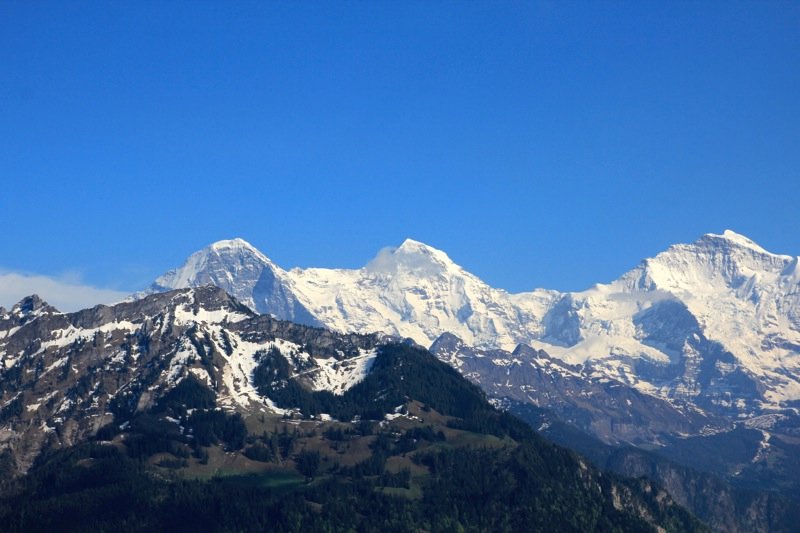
pixel 66 293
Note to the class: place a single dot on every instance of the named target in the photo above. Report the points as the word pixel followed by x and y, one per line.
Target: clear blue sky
pixel 542 144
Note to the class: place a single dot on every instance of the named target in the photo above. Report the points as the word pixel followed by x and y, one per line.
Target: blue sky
pixel 542 144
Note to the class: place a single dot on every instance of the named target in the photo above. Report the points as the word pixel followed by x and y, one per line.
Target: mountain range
pixel 714 324
pixel 685 369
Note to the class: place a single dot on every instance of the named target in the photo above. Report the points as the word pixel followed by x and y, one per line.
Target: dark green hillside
pixel 400 373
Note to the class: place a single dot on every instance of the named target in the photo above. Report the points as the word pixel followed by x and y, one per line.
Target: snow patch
pixel 184 315
pixel 339 376
pixel 64 337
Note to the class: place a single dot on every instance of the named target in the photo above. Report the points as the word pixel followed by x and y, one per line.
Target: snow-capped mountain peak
pixel 24 311
pixel 722 302
pixel 31 305
pixel 411 257
pixel 414 247
pixel 736 239
pixel 236 246
pixel 243 271
pixel 413 290
pixel 223 263
pixel 714 262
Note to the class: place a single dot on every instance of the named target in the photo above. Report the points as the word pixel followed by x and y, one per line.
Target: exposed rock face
pixel 612 411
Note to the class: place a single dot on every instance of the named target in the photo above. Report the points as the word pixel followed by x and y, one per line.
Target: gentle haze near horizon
pixel 540 144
